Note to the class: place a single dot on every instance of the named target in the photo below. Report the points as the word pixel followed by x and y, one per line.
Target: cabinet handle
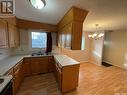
pixel 14 78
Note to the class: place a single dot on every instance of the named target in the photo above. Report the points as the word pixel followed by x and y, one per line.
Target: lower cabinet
pixel 26 67
pixel 16 82
pixel 39 65
pixel 17 73
pixel 30 66
pixel 67 77
pixel 51 64
pixel 18 76
pixel 58 75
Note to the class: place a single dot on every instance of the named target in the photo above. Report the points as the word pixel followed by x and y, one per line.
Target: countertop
pixel 7 79
pixel 64 60
pixel 9 62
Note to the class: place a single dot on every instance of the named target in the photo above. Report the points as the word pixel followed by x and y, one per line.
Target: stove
pixel 6 85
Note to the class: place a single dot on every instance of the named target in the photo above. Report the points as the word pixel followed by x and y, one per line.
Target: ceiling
pixel 109 14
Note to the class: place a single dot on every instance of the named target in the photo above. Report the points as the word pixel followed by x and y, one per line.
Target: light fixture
pixel 97 34
pixel 38 4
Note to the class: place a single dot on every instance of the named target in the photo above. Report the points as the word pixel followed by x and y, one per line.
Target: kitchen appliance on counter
pixel 6 85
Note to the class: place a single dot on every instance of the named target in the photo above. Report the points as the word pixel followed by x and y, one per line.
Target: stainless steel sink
pixel 1 80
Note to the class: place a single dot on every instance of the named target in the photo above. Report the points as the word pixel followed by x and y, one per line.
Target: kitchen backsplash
pixel 5 53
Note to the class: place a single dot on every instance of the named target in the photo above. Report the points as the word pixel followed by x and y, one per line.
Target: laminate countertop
pixel 64 60
pixel 9 62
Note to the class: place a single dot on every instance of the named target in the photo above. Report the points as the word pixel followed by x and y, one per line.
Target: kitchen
pixel 51 55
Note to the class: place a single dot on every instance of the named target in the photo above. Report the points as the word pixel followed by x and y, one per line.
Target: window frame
pixel 30 39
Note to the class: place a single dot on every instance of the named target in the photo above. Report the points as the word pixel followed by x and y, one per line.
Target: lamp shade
pixel 38 4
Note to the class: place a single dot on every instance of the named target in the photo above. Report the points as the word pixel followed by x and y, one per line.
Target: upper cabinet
pixel 13 35
pixel 9 34
pixel 70 29
pixel 3 34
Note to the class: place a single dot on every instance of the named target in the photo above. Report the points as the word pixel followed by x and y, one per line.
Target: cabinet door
pixel 26 67
pixel 21 74
pixel 58 75
pixel 43 65
pixel 59 39
pixel 16 82
pixel 35 67
pixel 3 34
pixel 11 30
pixel 68 36
pixel 51 64
pixel 17 37
pixel 39 65
pixel 13 35
pixel 63 37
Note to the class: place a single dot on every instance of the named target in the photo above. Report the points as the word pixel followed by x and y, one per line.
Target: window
pixel 39 39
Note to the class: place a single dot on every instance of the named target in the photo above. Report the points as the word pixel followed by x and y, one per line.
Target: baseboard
pixel 95 63
pixel 123 67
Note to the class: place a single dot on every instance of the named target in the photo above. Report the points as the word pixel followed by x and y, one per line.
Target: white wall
pixel 96 49
pixel 115 48
pixel 25 41
pixel 79 55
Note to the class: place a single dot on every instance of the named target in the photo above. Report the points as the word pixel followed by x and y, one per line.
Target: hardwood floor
pixel 93 80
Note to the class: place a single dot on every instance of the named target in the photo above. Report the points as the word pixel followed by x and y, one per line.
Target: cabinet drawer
pixel 18 66
pixel 58 68
pixel 10 72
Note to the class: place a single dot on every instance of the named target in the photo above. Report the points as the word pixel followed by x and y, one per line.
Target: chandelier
pixel 96 35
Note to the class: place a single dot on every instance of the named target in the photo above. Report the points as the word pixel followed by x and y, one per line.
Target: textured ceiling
pixel 109 14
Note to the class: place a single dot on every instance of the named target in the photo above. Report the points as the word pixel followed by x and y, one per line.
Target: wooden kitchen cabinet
pixel 43 64
pixel 58 74
pixel 35 67
pixel 11 32
pixel 13 35
pixel 51 64
pixel 9 35
pixel 70 76
pixel 26 67
pixel 66 36
pixel 67 76
pixel 18 76
pixel 39 65
pixel 70 28
pixel 3 34
pixel 17 36
pixel 16 81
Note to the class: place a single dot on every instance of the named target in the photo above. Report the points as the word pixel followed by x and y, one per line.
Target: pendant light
pixel 38 4
pixel 97 34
